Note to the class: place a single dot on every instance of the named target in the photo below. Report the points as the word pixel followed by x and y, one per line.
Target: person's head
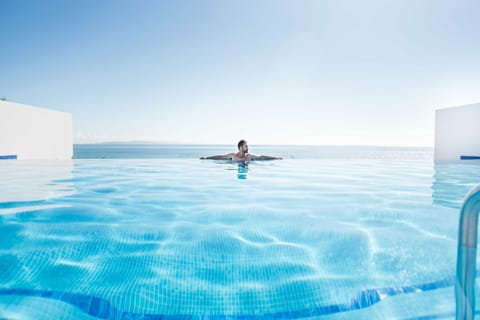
pixel 243 146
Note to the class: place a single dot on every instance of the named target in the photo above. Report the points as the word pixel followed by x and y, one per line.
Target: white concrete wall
pixel 457 132
pixel 35 133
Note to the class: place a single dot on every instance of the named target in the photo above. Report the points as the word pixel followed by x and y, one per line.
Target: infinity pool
pixel 184 238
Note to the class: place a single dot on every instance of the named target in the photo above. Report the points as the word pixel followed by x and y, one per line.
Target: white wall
pixel 457 132
pixel 35 133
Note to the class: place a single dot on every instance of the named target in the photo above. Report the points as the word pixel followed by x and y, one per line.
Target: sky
pixel 269 71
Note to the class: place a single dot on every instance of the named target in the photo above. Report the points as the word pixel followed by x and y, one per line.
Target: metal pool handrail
pixel 467 256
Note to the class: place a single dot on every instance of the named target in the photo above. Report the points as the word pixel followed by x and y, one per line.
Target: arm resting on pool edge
pixel 254 157
pixel 224 156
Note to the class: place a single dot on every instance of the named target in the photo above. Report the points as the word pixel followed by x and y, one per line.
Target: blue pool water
pixel 357 234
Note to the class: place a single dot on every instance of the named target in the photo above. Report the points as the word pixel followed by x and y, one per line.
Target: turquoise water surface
pixel 365 235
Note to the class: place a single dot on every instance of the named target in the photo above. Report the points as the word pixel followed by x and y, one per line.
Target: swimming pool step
pixel 104 309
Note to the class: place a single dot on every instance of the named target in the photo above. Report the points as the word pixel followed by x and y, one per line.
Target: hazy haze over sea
pixel 153 151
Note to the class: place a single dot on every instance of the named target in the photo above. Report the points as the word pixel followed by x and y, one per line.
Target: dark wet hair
pixel 241 143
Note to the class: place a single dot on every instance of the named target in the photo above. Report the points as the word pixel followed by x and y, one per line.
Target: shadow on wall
pixel 452 181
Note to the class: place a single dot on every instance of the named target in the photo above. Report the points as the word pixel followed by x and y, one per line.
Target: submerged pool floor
pixel 183 238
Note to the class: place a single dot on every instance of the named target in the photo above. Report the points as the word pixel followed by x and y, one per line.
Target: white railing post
pixel 467 256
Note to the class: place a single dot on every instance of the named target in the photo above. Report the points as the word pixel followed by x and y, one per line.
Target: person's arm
pixel 224 156
pixel 265 157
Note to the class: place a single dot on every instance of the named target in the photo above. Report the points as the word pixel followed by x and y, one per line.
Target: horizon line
pixel 260 144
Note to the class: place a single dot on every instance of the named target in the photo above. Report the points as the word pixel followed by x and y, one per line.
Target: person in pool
pixel 241 155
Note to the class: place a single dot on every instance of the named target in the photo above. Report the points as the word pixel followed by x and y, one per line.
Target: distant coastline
pixel 160 143
pixel 128 150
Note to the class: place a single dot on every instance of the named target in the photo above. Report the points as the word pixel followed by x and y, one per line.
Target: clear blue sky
pixel 272 72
